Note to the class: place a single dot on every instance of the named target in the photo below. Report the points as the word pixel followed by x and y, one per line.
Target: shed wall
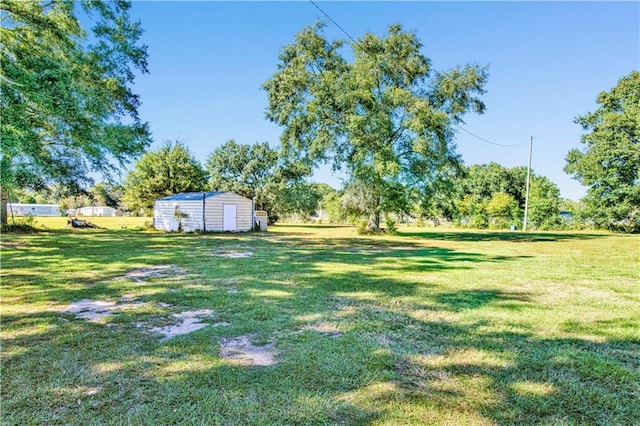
pixel 214 211
pixel 164 215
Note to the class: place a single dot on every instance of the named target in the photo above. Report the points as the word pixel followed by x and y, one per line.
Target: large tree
pixel 247 170
pixel 66 98
pixel 610 163
pixel 169 170
pixel 377 112
pixel 258 172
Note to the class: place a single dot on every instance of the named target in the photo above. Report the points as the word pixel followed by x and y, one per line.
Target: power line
pixel 488 141
pixel 334 22
pixel 459 127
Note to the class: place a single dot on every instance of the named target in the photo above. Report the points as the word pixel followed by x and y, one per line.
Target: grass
pixel 426 327
pixel 104 222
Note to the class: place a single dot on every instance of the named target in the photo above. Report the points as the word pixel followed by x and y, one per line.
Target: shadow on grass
pixel 387 363
pixel 474 299
pixel 384 366
pixel 475 236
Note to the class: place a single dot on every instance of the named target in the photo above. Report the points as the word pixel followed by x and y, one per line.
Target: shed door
pixel 229 217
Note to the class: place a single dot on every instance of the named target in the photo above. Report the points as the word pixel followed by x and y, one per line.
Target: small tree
pixel 544 203
pixel 503 208
pixel 169 170
pixel 106 194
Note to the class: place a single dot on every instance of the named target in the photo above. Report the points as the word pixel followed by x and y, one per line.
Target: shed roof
pixel 191 196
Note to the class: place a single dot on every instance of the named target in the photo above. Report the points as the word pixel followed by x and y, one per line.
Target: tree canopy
pixel 494 195
pixel 610 162
pixel 383 116
pixel 67 103
pixel 258 172
pixel 169 170
pixel 248 170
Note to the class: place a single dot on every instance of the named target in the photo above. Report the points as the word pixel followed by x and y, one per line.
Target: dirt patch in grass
pixel 98 310
pixel 156 271
pixel 235 254
pixel 324 329
pixel 241 351
pixel 188 322
pixel 179 323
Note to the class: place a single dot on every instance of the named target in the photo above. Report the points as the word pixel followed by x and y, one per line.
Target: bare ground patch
pixel 98 310
pixel 188 322
pixel 156 271
pixel 235 254
pixel 177 324
pixel 241 351
pixel 324 329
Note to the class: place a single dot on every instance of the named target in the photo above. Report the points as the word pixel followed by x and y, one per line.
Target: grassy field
pixel 106 222
pixel 426 327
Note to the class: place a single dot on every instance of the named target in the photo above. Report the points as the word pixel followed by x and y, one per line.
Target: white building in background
pixel 21 209
pixel 96 211
pixel 203 211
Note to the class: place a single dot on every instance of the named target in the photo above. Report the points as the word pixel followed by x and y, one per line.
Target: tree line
pixel 477 196
pixel 374 108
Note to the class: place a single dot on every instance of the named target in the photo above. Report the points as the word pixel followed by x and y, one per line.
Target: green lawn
pixel 427 327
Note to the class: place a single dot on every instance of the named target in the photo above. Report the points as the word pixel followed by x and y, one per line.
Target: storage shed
pixel 203 211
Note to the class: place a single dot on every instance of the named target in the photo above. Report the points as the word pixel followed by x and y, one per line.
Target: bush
pixel 363 229
pixel 479 221
pixel 26 224
pixel 500 223
pixel 392 228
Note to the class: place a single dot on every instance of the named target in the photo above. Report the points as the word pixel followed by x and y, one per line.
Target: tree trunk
pixel 4 198
pixel 373 224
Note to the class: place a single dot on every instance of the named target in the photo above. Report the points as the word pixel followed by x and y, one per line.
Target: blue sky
pixel 547 63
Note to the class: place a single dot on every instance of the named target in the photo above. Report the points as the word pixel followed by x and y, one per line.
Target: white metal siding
pixel 20 209
pixel 214 211
pixel 164 215
pixel 97 211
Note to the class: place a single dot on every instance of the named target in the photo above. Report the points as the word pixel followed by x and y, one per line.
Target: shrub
pixel 26 224
pixel 392 228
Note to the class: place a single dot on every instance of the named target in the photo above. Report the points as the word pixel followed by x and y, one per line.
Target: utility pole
pixel 526 199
